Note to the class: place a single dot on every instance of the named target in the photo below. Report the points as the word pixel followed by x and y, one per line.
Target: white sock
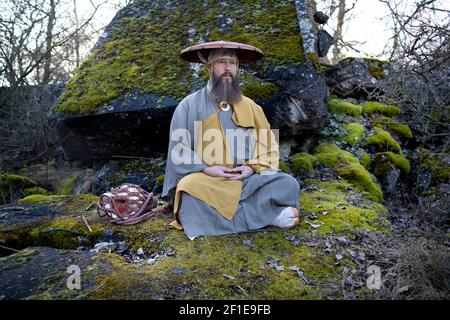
pixel 286 219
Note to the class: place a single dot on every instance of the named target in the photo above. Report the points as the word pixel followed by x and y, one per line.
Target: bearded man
pixel 223 156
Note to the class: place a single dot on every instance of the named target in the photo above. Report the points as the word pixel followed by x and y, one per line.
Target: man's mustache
pixel 226 74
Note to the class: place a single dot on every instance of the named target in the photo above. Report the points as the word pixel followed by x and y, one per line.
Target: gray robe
pixel 263 195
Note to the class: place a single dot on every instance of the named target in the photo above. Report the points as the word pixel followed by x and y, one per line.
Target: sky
pixel 366 25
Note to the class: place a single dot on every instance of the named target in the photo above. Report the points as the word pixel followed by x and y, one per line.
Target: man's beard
pixel 224 90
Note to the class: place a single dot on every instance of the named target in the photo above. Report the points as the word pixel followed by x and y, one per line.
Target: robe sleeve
pixel 181 157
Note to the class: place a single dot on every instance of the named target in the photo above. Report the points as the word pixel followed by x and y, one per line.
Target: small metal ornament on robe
pixel 224 106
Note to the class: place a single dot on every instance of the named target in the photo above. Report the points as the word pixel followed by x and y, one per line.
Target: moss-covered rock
pixel 355 133
pixel 303 162
pixel 11 180
pixel 14 182
pixel 284 167
pixel 35 190
pixel 256 90
pixel 143 53
pixel 386 161
pixel 68 186
pixel 439 168
pixel 387 123
pixel 40 273
pixel 340 106
pixel 371 107
pixel 365 160
pixel 383 141
pixel 53 221
pixel 377 68
pixel 40 198
pixel 335 210
pixel 12 186
pixel 370 61
pixel 348 166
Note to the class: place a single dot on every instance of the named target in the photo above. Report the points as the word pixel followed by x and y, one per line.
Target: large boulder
pixel 121 99
pixel 301 105
pixel 357 77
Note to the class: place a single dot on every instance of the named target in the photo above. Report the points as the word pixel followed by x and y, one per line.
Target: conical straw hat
pixel 245 52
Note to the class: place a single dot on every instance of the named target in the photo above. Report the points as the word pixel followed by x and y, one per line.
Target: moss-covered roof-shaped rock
pixel 142 50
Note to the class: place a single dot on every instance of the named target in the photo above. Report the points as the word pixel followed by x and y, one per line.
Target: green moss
pixel 329 154
pixel 257 90
pixel 312 56
pixel 371 107
pixel 382 122
pixel 39 198
pixel 86 197
pixel 14 181
pixel 440 170
pixel 355 133
pixel 365 160
pixel 68 186
pixel 244 274
pixel 64 232
pixel 143 53
pixel 35 190
pixel 337 211
pixel 383 141
pixel 347 166
pixel 374 66
pixel 343 107
pixel 401 129
pixel 284 167
pixel 438 115
pixel 386 161
pixel 303 162
pixel 160 180
pixel 377 72
pixel 386 123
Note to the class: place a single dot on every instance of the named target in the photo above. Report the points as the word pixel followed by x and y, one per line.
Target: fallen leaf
pixel 229 277
pixel 314 225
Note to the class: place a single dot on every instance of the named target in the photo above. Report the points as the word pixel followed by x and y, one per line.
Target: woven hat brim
pixel 245 52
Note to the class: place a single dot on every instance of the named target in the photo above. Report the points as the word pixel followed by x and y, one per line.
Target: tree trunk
pixel 76 35
pixel 337 54
pixel 48 43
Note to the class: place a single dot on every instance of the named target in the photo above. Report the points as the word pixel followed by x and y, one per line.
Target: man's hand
pixel 219 171
pixel 245 172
